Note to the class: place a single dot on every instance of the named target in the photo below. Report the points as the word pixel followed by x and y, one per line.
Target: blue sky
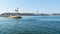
pixel 30 6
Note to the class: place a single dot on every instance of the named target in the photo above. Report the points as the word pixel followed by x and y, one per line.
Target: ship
pixel 15 16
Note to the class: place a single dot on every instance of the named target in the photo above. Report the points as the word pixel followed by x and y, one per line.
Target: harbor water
pixel 30 25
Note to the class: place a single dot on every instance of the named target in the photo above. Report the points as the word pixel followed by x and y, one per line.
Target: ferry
pixel 15 16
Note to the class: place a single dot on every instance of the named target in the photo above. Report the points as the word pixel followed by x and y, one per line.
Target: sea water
pixel 30 25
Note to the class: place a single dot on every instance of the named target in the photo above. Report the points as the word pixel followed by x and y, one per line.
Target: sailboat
pixel 17 15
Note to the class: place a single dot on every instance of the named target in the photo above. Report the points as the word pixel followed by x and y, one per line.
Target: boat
pixel 15 16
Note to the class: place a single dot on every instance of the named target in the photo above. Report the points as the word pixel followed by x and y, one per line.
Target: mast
pixel 16 10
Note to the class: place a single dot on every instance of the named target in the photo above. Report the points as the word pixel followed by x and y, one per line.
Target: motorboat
pixel 15 16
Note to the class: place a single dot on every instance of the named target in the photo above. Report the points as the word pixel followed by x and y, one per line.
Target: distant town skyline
pixel 30 6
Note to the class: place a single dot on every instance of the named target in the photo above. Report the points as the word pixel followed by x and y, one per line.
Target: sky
pixel 30 6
